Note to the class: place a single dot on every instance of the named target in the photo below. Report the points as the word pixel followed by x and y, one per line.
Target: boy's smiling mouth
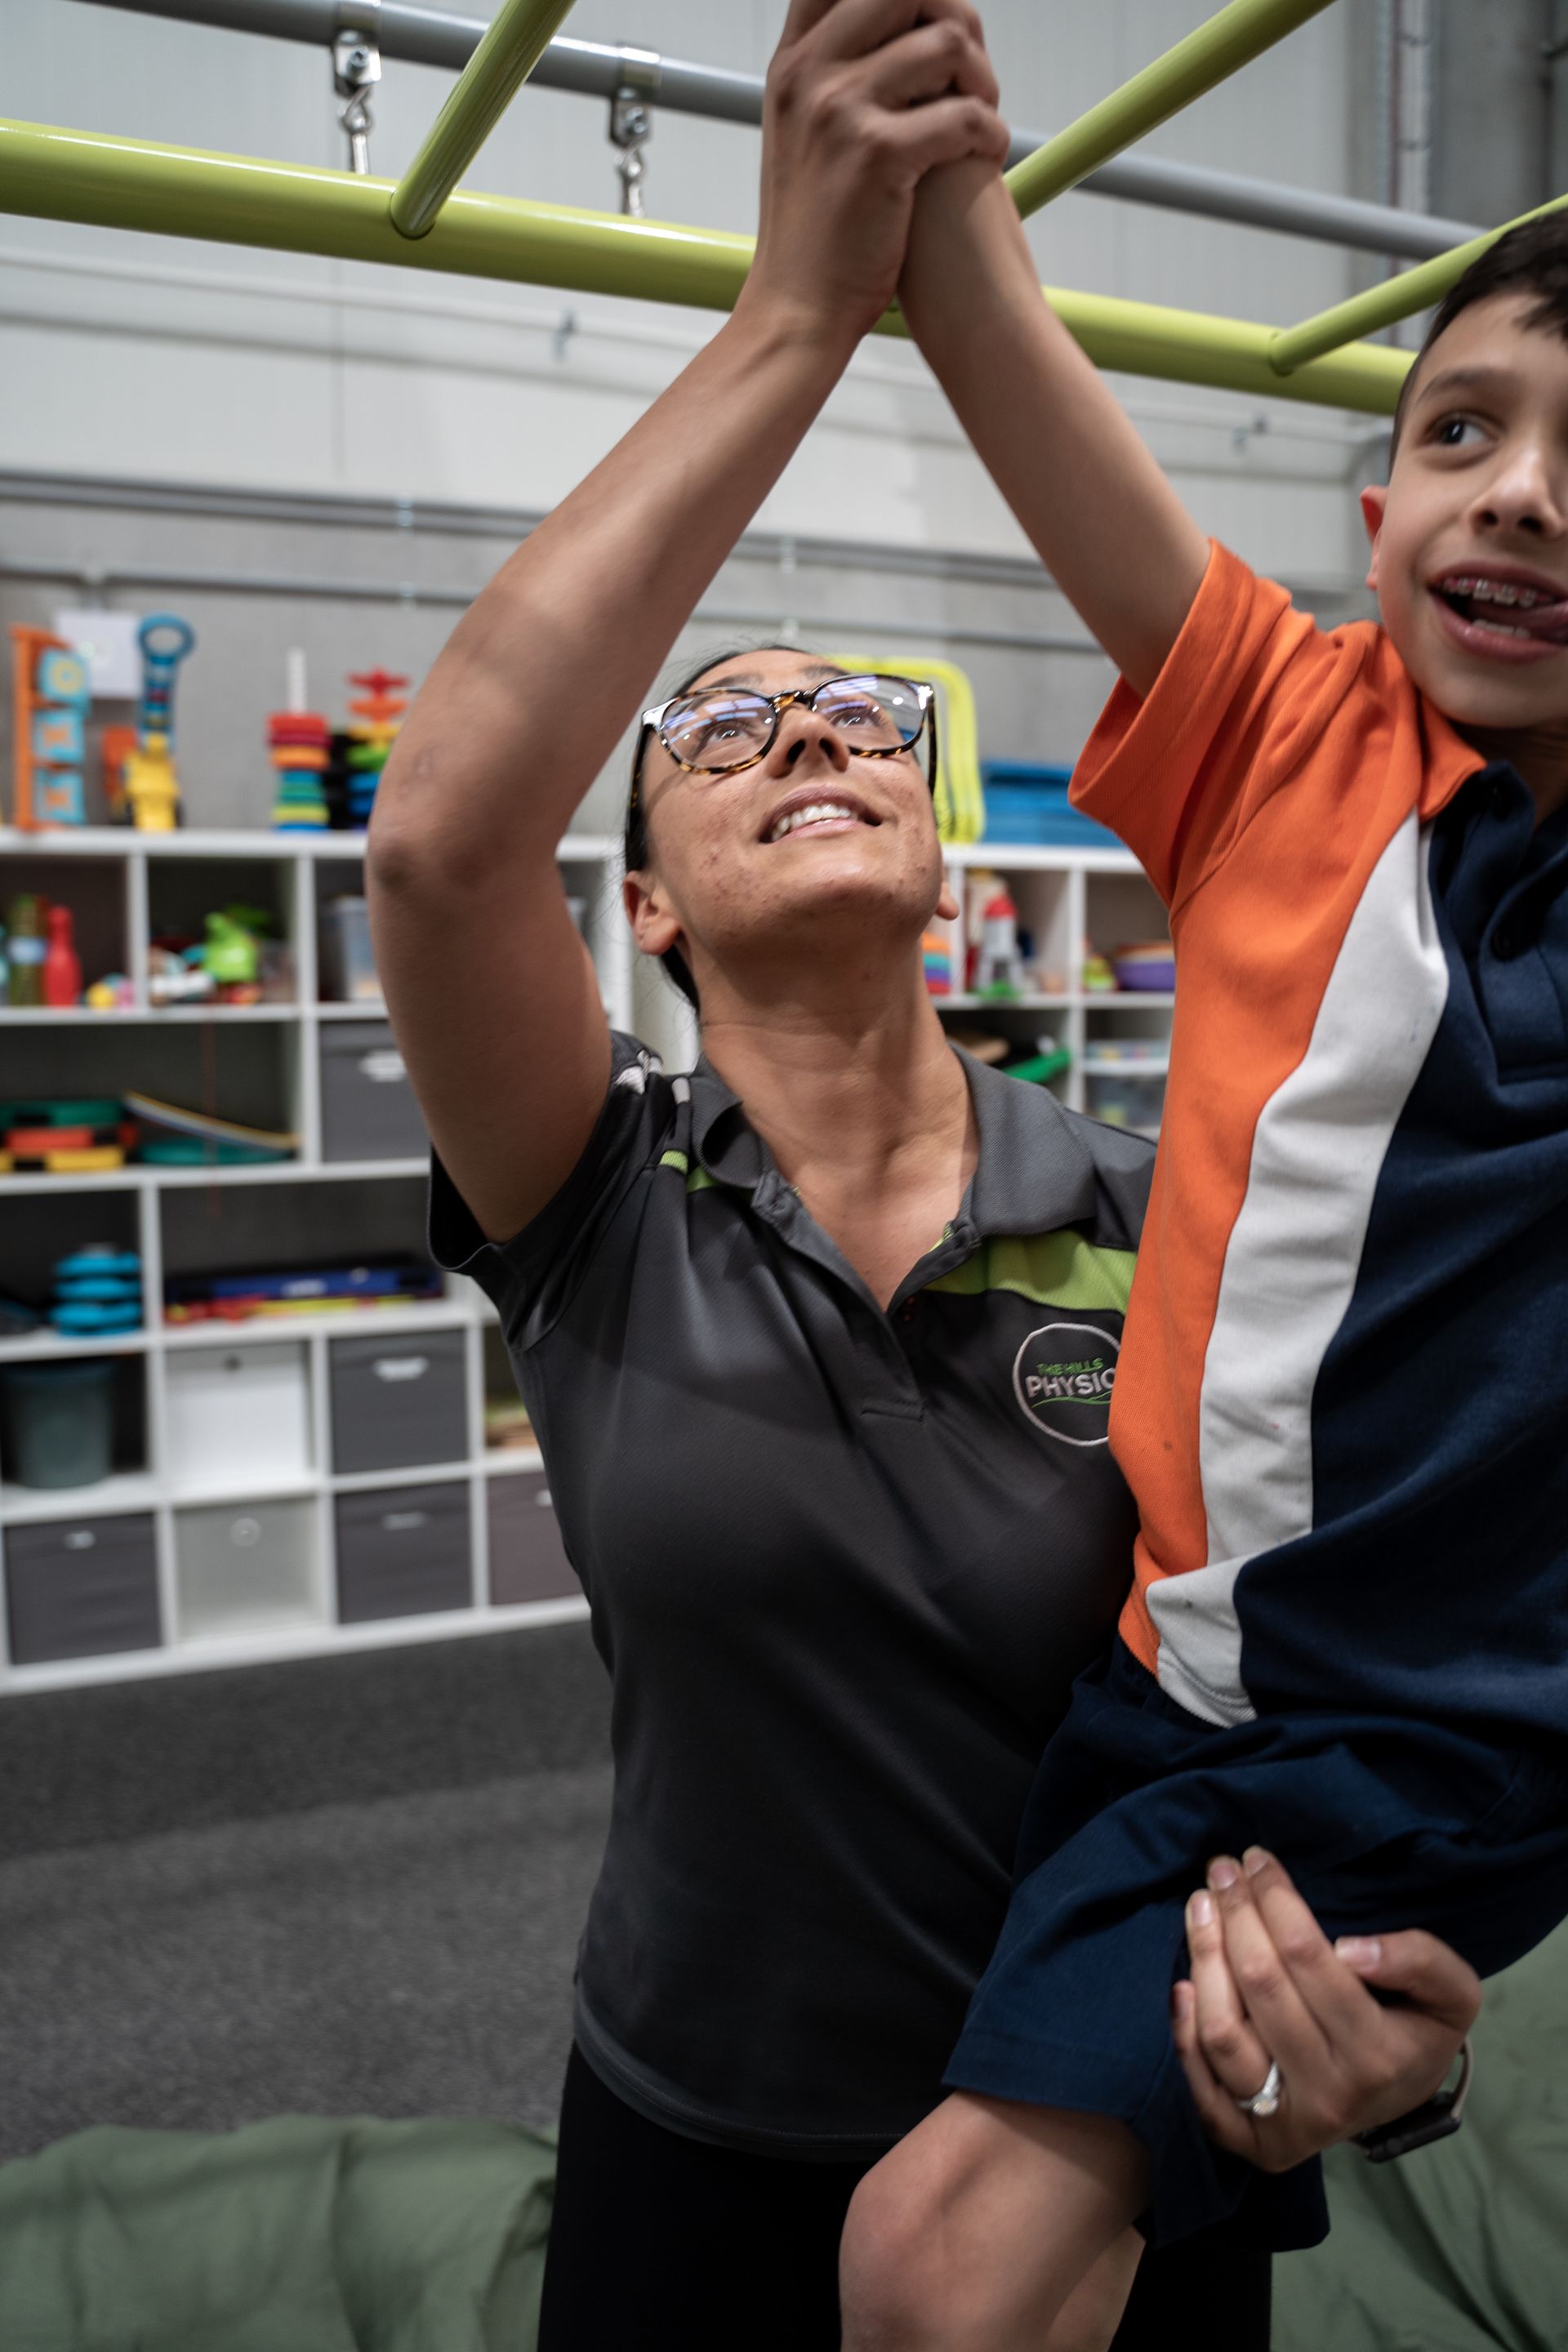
pixel 1502 611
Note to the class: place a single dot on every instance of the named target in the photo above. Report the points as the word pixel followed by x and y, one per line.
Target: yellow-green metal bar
pixel 1380 305
pixel 517 37
pixel 1210 55
pixel 113 182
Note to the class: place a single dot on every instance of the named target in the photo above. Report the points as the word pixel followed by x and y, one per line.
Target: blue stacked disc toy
pixel 97 1290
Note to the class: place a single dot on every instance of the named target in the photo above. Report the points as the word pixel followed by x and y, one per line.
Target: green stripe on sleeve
pixel 1059 1269
pixel 674 1159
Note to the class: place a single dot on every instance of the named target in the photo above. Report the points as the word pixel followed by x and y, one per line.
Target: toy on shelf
pixel 39 965
pixel 300 744
pixel 998 968
pixel 1038 1062
pixel 373 724
pixel 174 978
pixel 232 963
pixel 69 1136
pixel 1098 980
pixel 1025 801
pixel 62 965
pixel 150 791
pixel 396 1281
pixel 96 1289
pixel 192 1138
pixel 1049 1060
pixel 326 778
pixel 1148 968
pixel 1146 1056
pixel 50 698
pixel 115 992
pixel 938 959
pixel 26 950
pixel 115 746
pixel 232 953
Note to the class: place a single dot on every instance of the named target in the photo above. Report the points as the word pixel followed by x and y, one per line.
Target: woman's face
pixel 731 881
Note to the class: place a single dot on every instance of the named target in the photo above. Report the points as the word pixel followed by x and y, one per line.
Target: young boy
pixel 1342 1399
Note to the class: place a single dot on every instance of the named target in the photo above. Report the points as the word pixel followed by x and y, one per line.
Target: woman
pixel 793 1330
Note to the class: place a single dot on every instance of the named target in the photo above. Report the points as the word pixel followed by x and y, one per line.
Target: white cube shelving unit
pixel 119 882
pixel 1069 901
pixel 124 886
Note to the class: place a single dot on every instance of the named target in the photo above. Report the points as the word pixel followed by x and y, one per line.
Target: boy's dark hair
pixel 634 841
pixel 1530 259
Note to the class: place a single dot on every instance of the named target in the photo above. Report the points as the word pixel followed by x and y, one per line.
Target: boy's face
pixel 1470 540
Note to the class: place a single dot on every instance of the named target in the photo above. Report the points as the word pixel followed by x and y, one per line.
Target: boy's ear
pixel 1373 498
pixel 947 905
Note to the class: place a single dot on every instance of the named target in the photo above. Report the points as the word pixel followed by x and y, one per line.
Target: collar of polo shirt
pixel 1033 1174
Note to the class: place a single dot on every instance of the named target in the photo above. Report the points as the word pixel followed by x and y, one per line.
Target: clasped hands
pixel 864 98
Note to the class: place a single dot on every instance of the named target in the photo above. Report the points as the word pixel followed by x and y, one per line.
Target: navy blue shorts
pixel 1383 1823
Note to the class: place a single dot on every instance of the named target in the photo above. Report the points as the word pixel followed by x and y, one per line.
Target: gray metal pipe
pixel 426 37
pixel 336 588
pixel 367 511
pixel 1261 203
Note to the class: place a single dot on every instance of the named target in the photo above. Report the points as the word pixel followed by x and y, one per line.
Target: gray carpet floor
pixel 352 1887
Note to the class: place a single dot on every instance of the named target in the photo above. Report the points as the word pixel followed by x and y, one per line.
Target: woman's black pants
pixel 661 2244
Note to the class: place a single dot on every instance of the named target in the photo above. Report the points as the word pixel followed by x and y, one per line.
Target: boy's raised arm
pixel 1107 524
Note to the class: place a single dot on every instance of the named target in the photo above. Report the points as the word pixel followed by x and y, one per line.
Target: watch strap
pixel 1437 2118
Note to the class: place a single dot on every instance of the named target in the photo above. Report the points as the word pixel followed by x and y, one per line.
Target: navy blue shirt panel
pixel 1440 1417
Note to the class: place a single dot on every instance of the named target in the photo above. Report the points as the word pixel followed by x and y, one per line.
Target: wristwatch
pixel 1436 2118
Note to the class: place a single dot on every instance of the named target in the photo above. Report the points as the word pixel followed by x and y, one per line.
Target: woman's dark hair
pixel 634 840
pixel 1530 259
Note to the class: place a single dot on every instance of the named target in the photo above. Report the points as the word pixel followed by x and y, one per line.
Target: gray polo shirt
pixel 843 1564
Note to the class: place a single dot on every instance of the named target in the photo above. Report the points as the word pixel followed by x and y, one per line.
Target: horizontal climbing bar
pixel 1210 55
pixel 113 182
pixel 1380 305
pixel 427 37
pixel 517 37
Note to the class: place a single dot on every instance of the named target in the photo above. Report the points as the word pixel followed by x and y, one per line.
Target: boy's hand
pixel 1103 518
pixel 863 98
pixel 1267 1984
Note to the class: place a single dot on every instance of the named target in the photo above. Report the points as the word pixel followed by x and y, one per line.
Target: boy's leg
pixel 976 2231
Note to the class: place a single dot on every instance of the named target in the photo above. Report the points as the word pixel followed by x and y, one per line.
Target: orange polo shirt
pixel 1278 783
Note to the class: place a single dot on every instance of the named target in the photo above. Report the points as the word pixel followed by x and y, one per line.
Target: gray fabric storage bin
pixel 528 1559
pixel 81 1588
pixel 399 1400
pixel 368 1111
pixel 403 1552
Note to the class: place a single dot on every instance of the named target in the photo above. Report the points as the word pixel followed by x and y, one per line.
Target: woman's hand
pixel 1267 1986
pixel 494 1000
pixel 864 96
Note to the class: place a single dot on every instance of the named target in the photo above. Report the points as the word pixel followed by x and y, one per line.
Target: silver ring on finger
pixel 1264 2101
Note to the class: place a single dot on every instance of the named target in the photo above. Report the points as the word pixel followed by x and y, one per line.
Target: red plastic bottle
pixel 62 965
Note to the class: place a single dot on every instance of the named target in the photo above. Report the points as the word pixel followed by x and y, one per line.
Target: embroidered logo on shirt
pixel 1063 1377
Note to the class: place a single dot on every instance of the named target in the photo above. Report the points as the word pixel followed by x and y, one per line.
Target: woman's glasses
pixel 721 728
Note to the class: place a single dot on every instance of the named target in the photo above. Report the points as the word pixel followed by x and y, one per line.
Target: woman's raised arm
pixel 493 997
